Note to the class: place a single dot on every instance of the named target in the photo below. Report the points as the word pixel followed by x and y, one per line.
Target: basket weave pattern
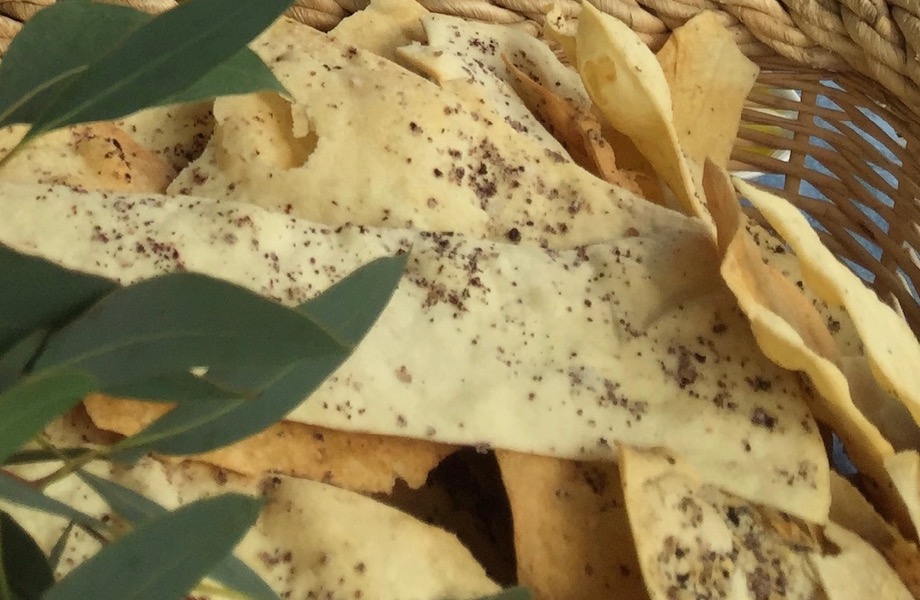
pixel 854 141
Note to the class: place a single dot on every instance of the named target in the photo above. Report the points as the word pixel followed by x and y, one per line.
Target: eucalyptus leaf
pixel 29 405
pixel 26 567
pixel 176 387
pixel 131 506
pixel 165 557
pixel 289 388
pixel 347 309
pixel 158 60
pixel 57 551
pixel 16 360
pixel 137 508
pixel 39 455
pixel 62 41
pixel 41 294
pixel 54 47
pixel 242 73
pixel 175 322
pixel 21 493
pixel 183 430
pixel 350 307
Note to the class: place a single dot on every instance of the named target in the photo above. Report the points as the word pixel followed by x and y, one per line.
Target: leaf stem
pixel 43 455
pixel 70 467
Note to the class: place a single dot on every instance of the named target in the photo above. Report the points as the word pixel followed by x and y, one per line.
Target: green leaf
pixel 183 430
pixel 46 295
pixel 179 387
pixel 175 322
pixel 347 309
pixel 243 73
pixel 27 570
pixel 53 48
pixel 136 508
pixel 131 506
pixel 34 401
pixel 159 59
pixel 57 551
pixel 38 455
pixel 60 43
pixel 19 492
pixel 164 557
pixel 15 362
pixel 197 427
pixel 352 306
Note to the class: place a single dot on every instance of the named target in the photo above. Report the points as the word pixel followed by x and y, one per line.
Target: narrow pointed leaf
pixel 187 420
pixel 47 295
pixel 59 44
pixel 347 309
pixel 165 557
pixel 16 360
pixel 160 59
pixel 131 506
pixel 243 73
pixel 27 570
pixel 175 322
pixel 34 401
pixel 57 551
pixel 352 306
pixel 21 493
pixel 136 508
pixel 178 387
pixel 38 455
pixel 53 48
pixel 291 386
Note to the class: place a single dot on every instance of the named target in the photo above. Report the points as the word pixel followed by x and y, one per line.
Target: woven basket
pixel 852 140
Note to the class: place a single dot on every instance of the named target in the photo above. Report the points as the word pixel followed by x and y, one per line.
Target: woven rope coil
pixel 853 146
pixel 876 38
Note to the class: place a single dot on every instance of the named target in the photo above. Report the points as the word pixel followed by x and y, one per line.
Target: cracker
pixel 571 533
pixel 99 156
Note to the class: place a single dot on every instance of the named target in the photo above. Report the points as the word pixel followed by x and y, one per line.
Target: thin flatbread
pixel 515 346
pixel 629 88
pixel 382 27
pixel 709 79
pixel 892 348
pixel 425 160
pixel 99 156
pixel 852 511
pixel 694 539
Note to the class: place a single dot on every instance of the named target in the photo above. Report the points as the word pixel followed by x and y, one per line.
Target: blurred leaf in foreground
pixel 40 294
pixel 32 402
pixel 165 557
pixel 24 565
pixel 136 508
pixel 158 60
